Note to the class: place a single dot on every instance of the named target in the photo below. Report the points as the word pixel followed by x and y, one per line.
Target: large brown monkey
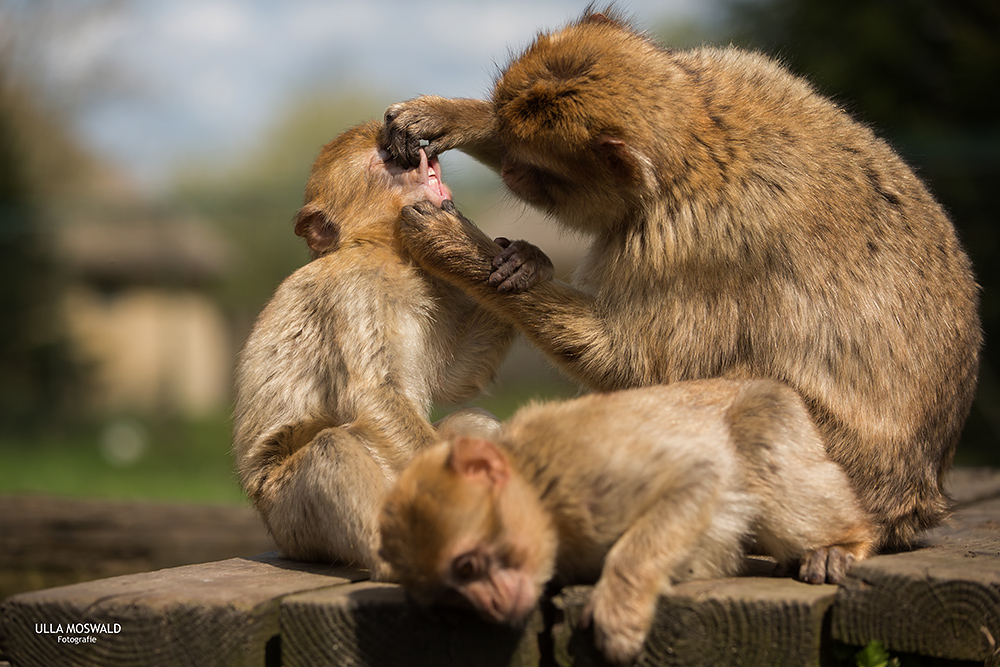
pixel 336 379
pixel 639 488
pixel 743 226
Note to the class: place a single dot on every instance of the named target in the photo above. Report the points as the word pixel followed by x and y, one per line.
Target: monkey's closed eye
pixel 468 566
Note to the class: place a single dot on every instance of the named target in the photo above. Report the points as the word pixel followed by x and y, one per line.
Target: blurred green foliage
pixel 876 655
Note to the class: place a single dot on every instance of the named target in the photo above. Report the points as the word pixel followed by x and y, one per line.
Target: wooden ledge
pixel 222 613
pixel 941 600
pixel 374 624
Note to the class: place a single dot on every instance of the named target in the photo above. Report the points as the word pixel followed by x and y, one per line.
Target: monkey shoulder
pixel 776 124
pixel 332 311
pixel 598 477
pixel 359 274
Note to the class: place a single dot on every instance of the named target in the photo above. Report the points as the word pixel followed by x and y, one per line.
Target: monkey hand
pixel 446 244
pixel 620 619
pixel 825 565
pixel 410 123
pixel 519 266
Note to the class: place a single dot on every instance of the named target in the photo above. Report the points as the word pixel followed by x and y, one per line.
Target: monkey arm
pixel 561 320
pixel 648 557
pixel 478 340
pixel 465 124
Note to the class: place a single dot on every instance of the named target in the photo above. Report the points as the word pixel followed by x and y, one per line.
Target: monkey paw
pixel 425 229
pixel 825 564
pixel 621 622
pixel 519 266
pixel 444 242
pixel 410 124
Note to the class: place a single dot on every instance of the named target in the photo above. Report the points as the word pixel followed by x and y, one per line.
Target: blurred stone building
pixel 139 314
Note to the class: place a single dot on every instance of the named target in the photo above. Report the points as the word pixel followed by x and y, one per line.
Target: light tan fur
pixel 743 227
pixel 335 382
pixel 634 490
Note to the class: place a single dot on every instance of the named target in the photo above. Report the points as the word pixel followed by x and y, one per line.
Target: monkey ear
pixel 320 232
pixel 619 158
pixel 479 459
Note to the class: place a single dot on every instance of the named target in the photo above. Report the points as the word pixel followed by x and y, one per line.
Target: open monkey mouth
pixel 430 179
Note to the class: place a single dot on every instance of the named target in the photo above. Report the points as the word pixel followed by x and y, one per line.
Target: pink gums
pixel 430 177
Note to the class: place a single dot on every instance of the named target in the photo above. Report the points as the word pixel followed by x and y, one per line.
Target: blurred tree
pixel 42 167
pixel 923 73
pixel 37 376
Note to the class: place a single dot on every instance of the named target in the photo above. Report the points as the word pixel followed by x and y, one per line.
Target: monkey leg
pixel 321 502
pixel 807 508
pixel 645 560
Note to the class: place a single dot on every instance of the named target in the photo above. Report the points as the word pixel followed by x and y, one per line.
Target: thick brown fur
pixel 743 226
pixel 634 490
pixel 335 382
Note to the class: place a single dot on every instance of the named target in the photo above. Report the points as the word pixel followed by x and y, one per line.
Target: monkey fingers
pixel 519 266
pixel 410 126
pixel 446 244
pixel 400 141
pixel 620 620
pixel 438 124
pixel 825 564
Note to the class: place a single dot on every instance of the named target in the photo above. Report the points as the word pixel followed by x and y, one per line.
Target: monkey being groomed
pixel 634 490
pixel 335 381
pixel 742 225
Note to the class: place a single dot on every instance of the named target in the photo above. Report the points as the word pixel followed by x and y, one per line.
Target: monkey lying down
pixel 334 384
pixel 566 490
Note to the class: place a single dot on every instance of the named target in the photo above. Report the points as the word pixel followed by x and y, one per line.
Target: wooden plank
pixel 47 541
pixel 222 613
pixel 942 600
pixel 968 485
pixel 738 621
pixel 375 625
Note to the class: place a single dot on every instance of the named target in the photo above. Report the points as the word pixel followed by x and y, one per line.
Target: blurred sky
pixel 197 75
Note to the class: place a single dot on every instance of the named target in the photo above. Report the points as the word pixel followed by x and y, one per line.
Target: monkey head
pixel 356 191
pixel 461 525
pixel 576 133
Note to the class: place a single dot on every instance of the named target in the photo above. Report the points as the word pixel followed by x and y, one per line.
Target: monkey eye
pixel 468 566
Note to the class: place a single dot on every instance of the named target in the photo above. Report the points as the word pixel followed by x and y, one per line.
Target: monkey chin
pixel 506 596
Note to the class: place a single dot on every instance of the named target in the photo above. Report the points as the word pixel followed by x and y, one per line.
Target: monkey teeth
pixel 430 175
pixel 433 181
